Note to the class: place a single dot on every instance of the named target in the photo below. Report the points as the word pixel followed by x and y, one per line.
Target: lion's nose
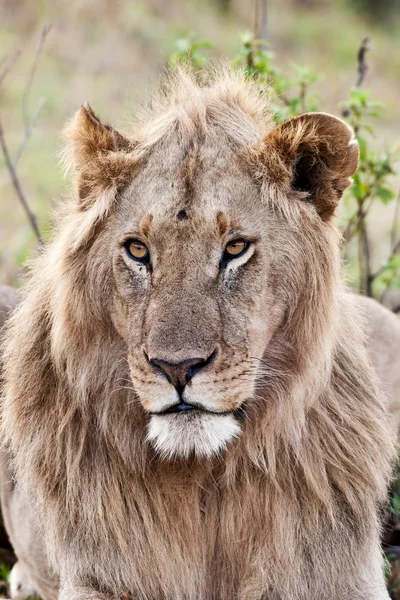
pixel 180 373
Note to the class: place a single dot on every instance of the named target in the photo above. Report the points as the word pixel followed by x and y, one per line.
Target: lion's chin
pixel 201 434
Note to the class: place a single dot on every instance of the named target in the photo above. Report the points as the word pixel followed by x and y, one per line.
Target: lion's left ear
pixel 317 154
pixel 98 154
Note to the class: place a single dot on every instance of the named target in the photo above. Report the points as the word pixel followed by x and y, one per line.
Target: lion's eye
pixel 234 249
pixel 137 250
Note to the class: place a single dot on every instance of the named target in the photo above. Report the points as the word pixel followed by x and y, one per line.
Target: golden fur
pixel 278 498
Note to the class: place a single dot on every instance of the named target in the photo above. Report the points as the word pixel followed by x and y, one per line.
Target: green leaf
pixel 385 194
pixel 359 95
pixel 363 148
pixel 4 571
pixel 246 38
pixel 368 128
pixel 394 264
pixel 359 190
pixel 183 45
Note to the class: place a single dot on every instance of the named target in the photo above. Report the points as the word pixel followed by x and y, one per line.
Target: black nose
pixel 180 373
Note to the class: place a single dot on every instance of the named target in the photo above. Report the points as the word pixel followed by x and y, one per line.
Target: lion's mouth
pixel 184 407
pixel 181 407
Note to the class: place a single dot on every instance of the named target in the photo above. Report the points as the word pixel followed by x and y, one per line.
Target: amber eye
pixel 137 250
pixel 235 248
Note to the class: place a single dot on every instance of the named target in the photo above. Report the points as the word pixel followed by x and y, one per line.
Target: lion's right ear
pixel 98 154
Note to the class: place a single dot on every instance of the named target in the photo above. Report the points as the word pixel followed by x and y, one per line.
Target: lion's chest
pixel 191 541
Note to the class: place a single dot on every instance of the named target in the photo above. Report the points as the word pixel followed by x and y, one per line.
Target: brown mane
pixel 303 474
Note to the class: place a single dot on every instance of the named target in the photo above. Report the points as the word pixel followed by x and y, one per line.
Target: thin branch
pixel 366 278
pixel 3 59
pixel 17 186
pixel 30 125
pixel 261 22
pixel 28 133
pixel 362 67
pixel 349 230
pixel 27 91
pixel 395 222
pixel 8 66
pixel 383 268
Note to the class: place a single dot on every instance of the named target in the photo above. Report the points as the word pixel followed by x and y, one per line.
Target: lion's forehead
pixel 193 190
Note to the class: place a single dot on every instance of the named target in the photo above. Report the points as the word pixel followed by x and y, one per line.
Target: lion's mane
pixel 275 506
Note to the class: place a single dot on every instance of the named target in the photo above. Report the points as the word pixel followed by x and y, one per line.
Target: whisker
pixel 118 389
pixel 133 401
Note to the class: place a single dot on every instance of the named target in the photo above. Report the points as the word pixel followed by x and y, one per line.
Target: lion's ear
pixel 319 154
pixel 98 154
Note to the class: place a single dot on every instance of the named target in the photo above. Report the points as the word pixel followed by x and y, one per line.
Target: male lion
pixel 188 404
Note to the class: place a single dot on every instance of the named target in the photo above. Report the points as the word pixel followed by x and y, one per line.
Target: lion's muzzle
pixel 179 373
pixel 187 414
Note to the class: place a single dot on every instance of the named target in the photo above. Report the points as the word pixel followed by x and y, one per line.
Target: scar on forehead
pixel 223 222
pixel 145 224
pixel 182 215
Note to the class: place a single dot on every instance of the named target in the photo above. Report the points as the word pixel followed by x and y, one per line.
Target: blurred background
pixel 110 52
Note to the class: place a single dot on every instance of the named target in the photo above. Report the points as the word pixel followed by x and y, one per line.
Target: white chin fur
pixel 180 435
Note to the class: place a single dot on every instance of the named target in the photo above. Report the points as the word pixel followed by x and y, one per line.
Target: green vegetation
pixel 4 571
pixel 110 53
pixel 292 94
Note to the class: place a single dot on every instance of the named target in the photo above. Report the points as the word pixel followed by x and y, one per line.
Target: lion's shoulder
pixel 382 328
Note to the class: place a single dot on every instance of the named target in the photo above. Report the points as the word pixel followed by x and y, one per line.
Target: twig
pixel 17 186
pixel 383 268
pixel 350 229
pixel 393 231
pixel 366 277
pixel 28 124
pixel 3 59
pixel 8 66
pixel 27 91
pixel 28 133
pixel 261 22
pixel 362 66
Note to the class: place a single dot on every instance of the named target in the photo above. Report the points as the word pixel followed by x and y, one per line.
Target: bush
pixel 372 188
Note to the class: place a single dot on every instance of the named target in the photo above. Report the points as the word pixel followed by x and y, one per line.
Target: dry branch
pixel 362 67
pixel 28 123
pixel 8 62
pixel 17 186
pixel 29 126
pixel 261 21
pixel 395 222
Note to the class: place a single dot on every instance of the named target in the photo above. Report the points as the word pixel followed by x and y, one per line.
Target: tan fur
pixel 383 331
pixel 278 498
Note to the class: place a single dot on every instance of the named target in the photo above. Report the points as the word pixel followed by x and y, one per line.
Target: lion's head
pixel 202 248
pixel 204 232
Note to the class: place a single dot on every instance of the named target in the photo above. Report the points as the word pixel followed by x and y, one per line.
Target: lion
pixel 189 410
